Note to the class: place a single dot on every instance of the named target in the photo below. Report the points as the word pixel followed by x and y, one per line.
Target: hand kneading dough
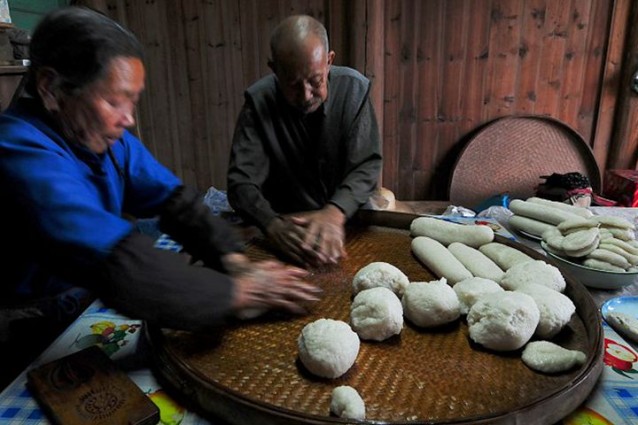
pixel 439 259
pixel 347 403
pixel 470 290
pixel 430 304
pixel 503 321
pixel 376 314
pixel 446 232
pixel 545 356
pixel 556 309
pixel 479 264
pixel 536 271
pixel 380 274
pixel 328 348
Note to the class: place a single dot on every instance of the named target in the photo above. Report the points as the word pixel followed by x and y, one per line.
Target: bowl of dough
pixel 593 277
pixel 601 252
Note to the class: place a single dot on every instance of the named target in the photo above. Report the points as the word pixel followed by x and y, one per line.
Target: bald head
pixel 301 61
pixel 292 36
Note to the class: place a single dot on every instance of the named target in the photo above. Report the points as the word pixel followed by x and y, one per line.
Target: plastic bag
pixel 455 211
pixel 217 201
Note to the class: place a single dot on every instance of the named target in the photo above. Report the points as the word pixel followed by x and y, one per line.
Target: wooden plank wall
pixel 441 69
pixel 200 57
pixel 454 65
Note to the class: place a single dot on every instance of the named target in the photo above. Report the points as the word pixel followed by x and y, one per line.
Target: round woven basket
pixel 251 374
pixel 510 154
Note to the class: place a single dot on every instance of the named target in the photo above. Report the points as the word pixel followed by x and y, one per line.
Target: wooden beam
pixel 610 82
pixel 622 151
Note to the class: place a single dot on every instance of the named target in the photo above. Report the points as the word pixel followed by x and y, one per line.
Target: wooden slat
pixel 550 78
pixel 9 83
pixel 375 61
pixel 452 55
pixel 531 55
pixel 348 50
pixel 593 69
pixel 410 11
pixel 222 63
pixel 177 93
pixel 575 58
pixel 391 138
pixel 609 106
pixel 253 56
pixel 195 152
pixel 623 152
pixel 503 65
pixel 159 117
pixel 476 60
pixel 449 117
pixel 430 51
pixel 365 50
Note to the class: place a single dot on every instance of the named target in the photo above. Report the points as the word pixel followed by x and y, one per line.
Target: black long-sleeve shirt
pixel 160 286
pixel 283 161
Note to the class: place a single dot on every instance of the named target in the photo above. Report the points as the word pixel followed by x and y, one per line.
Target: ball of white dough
pixel 556 309
pixel 545 356
pixel 430 304
pixel 376 314
pixel 347 403
pixel 378 274
pixel 536 271
pixel 328 348
pixel 503 321
pixel 470 290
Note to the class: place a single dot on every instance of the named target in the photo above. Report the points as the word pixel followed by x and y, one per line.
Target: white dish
pixel 626 304
pixel 593 278
pixel 621 305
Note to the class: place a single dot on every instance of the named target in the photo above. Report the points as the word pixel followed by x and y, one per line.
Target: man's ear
pixel 47 84
pixel 331 57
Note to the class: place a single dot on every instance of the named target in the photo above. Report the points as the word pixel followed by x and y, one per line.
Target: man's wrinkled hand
pixel 324 233
pixel 288 238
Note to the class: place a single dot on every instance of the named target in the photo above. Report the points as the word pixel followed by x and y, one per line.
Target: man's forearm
pixel 250 204
pixel 162 288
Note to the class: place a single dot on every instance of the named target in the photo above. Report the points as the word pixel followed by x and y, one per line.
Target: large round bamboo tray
pixel 250 372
